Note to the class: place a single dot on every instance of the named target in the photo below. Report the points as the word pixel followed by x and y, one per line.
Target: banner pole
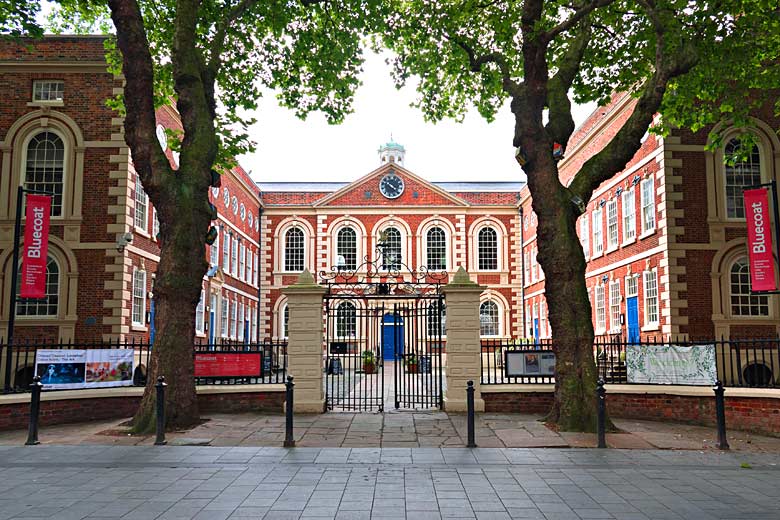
pixel 773 186
pixel 14 280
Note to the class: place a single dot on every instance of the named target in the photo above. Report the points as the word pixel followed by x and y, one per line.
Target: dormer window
pixel 48 91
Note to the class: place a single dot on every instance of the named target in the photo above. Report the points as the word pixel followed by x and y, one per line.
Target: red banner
pixel 762 264
pixel 227 365
pixel 36 246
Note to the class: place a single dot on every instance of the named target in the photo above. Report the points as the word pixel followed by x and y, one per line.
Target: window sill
pixel 200 334
pixel 648 233
pixel 596 255
pixel 612 249
pixel 599 332
pixel 628 242
pixel 652 327
pixel 55 103
pixel 136 327
pixel 142 232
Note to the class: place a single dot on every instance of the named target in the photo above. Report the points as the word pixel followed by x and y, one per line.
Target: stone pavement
pixel 212 483
pixel 400 430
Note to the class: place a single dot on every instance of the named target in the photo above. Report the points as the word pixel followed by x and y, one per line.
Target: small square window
pixel 48 90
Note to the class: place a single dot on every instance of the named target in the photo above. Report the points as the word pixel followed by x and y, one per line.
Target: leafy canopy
pixel 309 52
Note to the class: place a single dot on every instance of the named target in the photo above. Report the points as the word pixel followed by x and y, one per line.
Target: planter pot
pixel 411 369
pixel 369 368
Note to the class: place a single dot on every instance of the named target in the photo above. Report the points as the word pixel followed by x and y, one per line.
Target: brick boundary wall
pixel 753 414
pixel 15 416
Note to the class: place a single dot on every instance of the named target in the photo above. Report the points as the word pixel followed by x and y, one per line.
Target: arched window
pixel 436 249
pixel 285 321
pixel 743 303
pixel 744 172
pixel 488 318
pixel 437 319
pixel 346 246
pixel 49 304
pixel 293 250
pixel 391 257
pixel 346 320
pixel 487 249
pixel 45 167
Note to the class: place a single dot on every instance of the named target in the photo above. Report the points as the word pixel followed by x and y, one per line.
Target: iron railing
pixel 272 359
pixel 752 363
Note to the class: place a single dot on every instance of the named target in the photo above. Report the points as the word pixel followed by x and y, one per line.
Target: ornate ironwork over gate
pixel 384 335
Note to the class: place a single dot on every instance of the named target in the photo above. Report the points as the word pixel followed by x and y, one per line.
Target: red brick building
pixel 57 134
pixel 434 225
pixel 665 238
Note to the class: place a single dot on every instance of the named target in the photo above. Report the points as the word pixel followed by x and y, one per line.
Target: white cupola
pixel 391 152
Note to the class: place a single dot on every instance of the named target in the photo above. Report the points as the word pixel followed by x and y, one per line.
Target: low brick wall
pixel 746 409
pixel 78 406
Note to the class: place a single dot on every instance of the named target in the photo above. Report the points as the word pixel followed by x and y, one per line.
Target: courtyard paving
pixel 217 483
pixel 400 430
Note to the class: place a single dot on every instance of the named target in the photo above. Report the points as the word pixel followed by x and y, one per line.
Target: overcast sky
pixel 289 149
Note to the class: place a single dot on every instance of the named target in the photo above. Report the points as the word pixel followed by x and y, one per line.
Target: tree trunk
pixel 560 256
pixel 177 290
pixel 562 259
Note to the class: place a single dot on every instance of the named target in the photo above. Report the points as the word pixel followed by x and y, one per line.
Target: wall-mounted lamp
pixel 579 203
pixel 123 240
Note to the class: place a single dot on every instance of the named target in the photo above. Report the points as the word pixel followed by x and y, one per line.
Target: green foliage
pixel 18 19
pixel 308 52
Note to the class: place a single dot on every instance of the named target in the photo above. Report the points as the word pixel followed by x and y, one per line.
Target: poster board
pixel 64 369
pixel 219 364
pixel 671 364
pixel 529 363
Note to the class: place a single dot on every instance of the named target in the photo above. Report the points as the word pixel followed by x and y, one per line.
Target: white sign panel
pixel 93 368
pixel 671 364
pixel 521 363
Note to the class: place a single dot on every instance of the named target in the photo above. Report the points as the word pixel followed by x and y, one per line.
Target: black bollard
pixel 470 414
pixel 720 412
pixel 35 411
pixel 601 409
pixel 289 440
pixel 160 440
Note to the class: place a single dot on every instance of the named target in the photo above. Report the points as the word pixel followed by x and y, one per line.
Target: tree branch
pixel 140 122
pixel 560 124
pixel 476 63
pixel 218 43
pixel 669 63
pixel 578 15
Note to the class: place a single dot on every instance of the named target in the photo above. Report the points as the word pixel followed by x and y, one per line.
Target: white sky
pixel 289 149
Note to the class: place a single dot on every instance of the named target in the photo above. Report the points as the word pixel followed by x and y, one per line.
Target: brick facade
pixel 675 248
pixel 102 202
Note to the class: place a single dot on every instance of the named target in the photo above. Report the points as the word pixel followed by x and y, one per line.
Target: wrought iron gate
pixel 354 372
pixel 384 335
pixel 418 374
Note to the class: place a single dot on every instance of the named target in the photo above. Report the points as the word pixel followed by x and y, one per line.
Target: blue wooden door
pixel 536 328
pixel 392 334
pixel 632 316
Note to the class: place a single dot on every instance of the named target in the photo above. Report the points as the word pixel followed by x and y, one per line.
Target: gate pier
pixel 304 343
pixel 463 344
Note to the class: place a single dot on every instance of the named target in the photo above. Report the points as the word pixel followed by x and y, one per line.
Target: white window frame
pixel 58 101
pixel 242 262
pixel 155 224
pixel 601 312
pixel 241 320
pixel 527 266
pixel 226 252
pixel 200 314
pixel 498 251
pixel 647 276
pixel 234 257
pixel 499 313
pixel 613 231
pixel 648 209
pixel 614 306
pixel 284 324
pixel 255 263
pixel 629 216
pixel 283 245
pixel 224 317
pixel 214 251
pixel 233 319
pixel 585 235
pixel 632 285
pixel 138 303
pixel 598 233
pixel 141 199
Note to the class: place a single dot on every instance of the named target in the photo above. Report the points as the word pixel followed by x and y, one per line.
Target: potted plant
pixel 411 363
pixel 369 361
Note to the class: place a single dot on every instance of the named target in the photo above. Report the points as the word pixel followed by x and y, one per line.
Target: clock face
pixel 391 186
